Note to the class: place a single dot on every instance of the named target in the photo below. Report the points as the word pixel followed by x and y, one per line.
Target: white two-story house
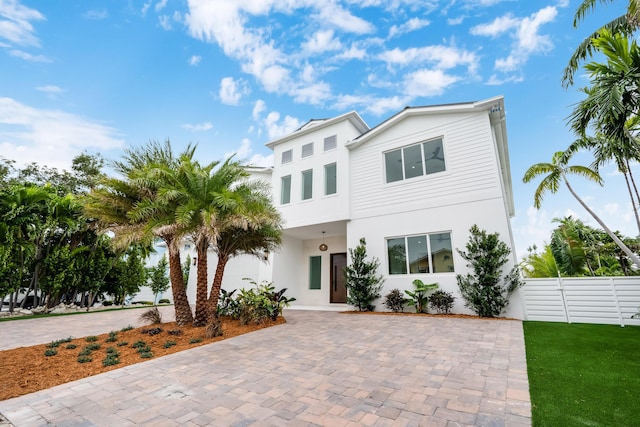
pixel 412 186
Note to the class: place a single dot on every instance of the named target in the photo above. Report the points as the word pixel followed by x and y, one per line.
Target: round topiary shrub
pixel 441 301
pixel 394 301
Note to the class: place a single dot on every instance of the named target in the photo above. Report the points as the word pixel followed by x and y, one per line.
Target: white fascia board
pixel 352 116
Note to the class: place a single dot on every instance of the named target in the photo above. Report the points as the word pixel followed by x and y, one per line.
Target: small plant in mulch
pixel 54 344
pixel 139 344
pixel 152 316
pixel 122 343
pixel 112 350
pixel 113 337
pixel 151 331
pixel 395 301
pixel 91 339
pixel 169 344
pixel 146 355
pixel 126 328
pixel 50 352
pixel 84 359
pixel 195 340
pixel 176 332
pixel 92 347
pixel 112 357
pixel 71 346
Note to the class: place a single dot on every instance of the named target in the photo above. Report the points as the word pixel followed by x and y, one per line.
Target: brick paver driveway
pixel 321 368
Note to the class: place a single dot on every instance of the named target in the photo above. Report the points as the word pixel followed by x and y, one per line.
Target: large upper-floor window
pixel 287 156
pixel 307 150
pixel 307 184
pixel 423 253
pixel 330 142
pixel 414 160
pixel 285 190
pixel 330 179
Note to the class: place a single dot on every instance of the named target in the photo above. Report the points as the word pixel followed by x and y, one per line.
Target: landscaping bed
pixel 27 369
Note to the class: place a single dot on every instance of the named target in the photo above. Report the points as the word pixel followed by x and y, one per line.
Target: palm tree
pixel 556 172
pixel 132 208
pixel 624 25
pixel 537 265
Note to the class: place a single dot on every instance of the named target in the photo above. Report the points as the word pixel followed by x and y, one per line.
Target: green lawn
pixel 583 375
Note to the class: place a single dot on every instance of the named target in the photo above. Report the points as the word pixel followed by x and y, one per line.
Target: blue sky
pixel 231 75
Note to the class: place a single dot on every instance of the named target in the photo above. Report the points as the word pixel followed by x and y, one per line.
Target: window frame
pixel 329 139
pixel 315 283
pixel 303 186
pixel 282 187
pixel 335 179
pixel 304 155
pixel 287 156
pixel 422 160
pixel 408 269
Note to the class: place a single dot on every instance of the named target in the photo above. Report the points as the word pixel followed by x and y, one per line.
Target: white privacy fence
pixel 608 300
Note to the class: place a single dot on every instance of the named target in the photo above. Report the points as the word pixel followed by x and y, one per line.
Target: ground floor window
pixel 315 267
pixel 420 254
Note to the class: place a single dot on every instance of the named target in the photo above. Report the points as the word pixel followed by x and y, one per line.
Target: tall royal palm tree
pixel 556 173
pixel 625 25
pixel 133 210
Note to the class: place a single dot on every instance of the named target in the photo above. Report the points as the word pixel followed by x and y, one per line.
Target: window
pixel 287 156
pixel 330 143
pixel 285 190
pixel 415 160
pixel 307 150
pixel 307 184
pixel 315 267
pixel 424 253
pixel 330 178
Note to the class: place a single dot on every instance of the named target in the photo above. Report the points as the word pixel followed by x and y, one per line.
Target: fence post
pixel 564 302
pixel 615 297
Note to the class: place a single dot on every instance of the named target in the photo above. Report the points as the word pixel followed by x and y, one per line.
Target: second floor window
pixel 307 184
pixel 285 190
pixel 307 150
pixel 330 179
pixel 414 160
pixel 287 156
pixel 330 143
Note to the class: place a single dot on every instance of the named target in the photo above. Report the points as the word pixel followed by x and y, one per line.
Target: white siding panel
pixel 471 174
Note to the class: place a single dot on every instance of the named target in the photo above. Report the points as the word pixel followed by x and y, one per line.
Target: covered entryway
pixel 338 288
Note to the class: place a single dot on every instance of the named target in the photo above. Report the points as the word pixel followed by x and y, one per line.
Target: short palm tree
pixel 555 174
pixel 625 25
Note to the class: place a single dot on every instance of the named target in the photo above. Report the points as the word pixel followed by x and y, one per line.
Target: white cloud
pixel 332 13
pixel 494 80
pixel 353 52
pixel 277 128
pixel 232 90
pixel 15 23
pixel 199 127
pixel 28 57
pixel 195 60
pixel 160 5
pixel 499 26
pixel 611 208
pixel 412 24
pixel 50 89
pixel 370 104
pixel 258 108
pixel 456 21
pixel 145 8
pixel 428 82
pixel 96 14
pixel 50 137
pixel 443 57
pixel 321 41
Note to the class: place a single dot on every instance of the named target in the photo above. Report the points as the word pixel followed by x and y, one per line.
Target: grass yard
pixel 583 375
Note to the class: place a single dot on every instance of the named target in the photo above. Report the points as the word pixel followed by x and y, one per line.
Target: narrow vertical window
pixel 418 254
pixel 285 190
pixel 330 143
pixel 412 161
pixel 330 179
pixel 441 252
pixel 315 268
pixel 307 184
pixel 287 156
pixel 434 156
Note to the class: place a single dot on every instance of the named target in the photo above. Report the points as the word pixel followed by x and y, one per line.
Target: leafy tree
pixel 158 279
pixel 485 291
pixel 362 282
pixel 556 173
pixel 624 25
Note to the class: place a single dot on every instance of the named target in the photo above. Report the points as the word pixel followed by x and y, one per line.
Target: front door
pixel 338 288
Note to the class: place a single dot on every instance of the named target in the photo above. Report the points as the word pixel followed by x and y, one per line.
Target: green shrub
pixel 112 350
pixel 152 316
pixel 142 303
pixel 362 282
pixel 146 355
pixel 110 360
pixel 139 344
pixel 113 337
pixel 418 297
pixel 50 352
pixel 84 358
pixel 195 340
pixel 394 301
pixel 169 344
pixel 91 339
pixel 441 301
pixel 92 347
pixel 122 343
pixel 54 344
pixel 107 303
pixel 484 291
pixel 71 346
pixel 164 301
pixel 227 306
pixel 126 328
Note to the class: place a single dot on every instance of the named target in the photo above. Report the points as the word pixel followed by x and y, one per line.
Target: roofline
pixel 352 116
pixel 487 104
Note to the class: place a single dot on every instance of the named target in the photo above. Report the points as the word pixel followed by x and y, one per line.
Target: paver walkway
pixel 320 368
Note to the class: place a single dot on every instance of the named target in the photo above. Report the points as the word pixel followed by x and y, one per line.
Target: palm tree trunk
pixel 202 284
pixel 214 296
pixel 179 290
pixel 634 205
pixel 634 258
